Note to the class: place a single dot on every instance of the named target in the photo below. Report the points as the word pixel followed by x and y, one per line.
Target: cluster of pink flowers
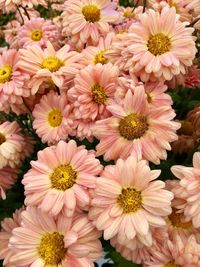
pixel 98 72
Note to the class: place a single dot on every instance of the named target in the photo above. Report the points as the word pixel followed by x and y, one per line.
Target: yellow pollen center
pixel 99 94
pixel 5 74
pixel 99 58
pixel 128 13
pixel 91 13
pixel 173 3
pixel 51 248
pixel 2 138
pixel 36 35
pixel 52 63
pixel 133 126
pixel 55 118
pixel 130 200
pixel 63 177
pixel 176 220
pixel 171 264
pixel 158 44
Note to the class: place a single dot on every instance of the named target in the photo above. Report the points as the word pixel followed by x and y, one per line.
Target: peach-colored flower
pixel 134 127
pixel 159 46
pixel 12 81
pixel 37 31
pixel 11 33
pixel 44 241
pixel 52 118
pixel 189 182
pixel 87 20
pixel 61 178
pixel 49 65
pixel 93 91
pixel 12 144
pixel 8 177
pixel 127 201
pixel 7 226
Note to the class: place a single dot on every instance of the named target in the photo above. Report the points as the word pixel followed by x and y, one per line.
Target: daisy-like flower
pixel 45 241
pixel 189 182
pixel 8 177
pixel 12 144
pixel 88 20
pixel 96 54
pixel 127 201
pixel 37 31
pixel 12 81
pixel 61 178
pixel 52 118
pixel 159 46
pixel 133 127
pixel 7 226
pixel 49 65
pixel 93 91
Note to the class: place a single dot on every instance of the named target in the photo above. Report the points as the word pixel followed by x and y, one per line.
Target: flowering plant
pixel 99 133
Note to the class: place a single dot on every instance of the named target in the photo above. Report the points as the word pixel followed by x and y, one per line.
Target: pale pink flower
pixel 11 5
pixel 7 226
pixel 93 91
pixel 127 201
pixel 61 178
pixel 189 181
pixel 12 145
pixel 12 81
pixel 159 46
pixel 134 127
pixel 37 31
pixel 11 33
pixel 52 118
pixel 49 65
pixel 44 241
pixel 87 20
pixel 96 54
pixel 8 177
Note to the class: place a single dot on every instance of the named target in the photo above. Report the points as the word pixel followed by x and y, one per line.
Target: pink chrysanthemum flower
pixel 8 177
pixel 49 65
pixel 12 81
pixel 95 54
pixel 52 118
pixel 189 182
pixel 87 20
pixel 12 144
pixel 93 91
pixel 127 201
pixel 11 33
pixel 45 241
pixel 133 127
pixel 7 226
pixel 11 5
pixel 61 178
pixel 37 31
pixel 159 46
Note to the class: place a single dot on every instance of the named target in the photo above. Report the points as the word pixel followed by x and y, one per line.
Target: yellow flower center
pixel 91 13
pixel 171 264
pixel 2 138
pixel 99 58
pixel 63 177
pixel 173 3
pixel 55 118
pixel 36 35
pixel 176 220
pixel 99 94
pixel 51 248
pixel 5 74
pixel 133 126
pixel 130 200
pixel 158 44
pixel 52 63
pixel 128 13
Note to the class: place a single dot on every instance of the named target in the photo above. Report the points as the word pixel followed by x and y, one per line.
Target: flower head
pixel 61 178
